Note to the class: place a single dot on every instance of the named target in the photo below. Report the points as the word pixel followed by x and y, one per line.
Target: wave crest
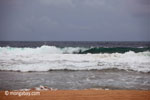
pixel 70 50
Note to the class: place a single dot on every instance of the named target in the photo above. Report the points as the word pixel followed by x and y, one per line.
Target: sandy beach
pixel 80 95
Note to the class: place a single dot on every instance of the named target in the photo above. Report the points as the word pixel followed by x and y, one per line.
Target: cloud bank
pixel 78 20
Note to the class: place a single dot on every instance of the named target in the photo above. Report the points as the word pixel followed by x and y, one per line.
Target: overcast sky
pixel 75 20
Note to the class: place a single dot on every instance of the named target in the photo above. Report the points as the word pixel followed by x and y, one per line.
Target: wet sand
pixel 82 95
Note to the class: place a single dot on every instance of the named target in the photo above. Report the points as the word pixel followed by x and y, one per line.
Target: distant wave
pixel 114 50
pixel 47 58
pixel 72 50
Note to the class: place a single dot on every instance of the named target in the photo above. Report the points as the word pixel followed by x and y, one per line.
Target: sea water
pixel 75 65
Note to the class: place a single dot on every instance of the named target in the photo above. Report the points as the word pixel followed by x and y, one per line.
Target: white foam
pixel 40 88
pixel 51 58
pixel 40 50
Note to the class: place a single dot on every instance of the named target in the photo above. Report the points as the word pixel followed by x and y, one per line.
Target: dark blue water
pixel 72 44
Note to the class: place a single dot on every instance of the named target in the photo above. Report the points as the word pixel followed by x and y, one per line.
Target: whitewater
pixel 47 58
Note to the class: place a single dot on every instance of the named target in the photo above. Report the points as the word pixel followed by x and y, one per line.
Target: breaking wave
pixel 72 50
pixel 48 58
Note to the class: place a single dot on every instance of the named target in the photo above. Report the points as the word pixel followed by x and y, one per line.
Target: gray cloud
pixel 93 20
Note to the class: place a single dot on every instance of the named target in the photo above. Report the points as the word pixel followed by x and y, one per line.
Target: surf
pixel 47 58
pixel 70 50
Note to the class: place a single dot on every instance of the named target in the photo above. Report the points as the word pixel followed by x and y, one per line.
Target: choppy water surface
pixel 75 65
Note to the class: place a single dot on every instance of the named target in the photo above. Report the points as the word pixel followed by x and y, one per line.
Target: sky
pixel 74 20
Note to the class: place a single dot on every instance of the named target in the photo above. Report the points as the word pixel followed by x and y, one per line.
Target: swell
pixel 114 50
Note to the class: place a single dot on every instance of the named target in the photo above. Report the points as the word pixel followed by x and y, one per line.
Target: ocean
pixel 74 65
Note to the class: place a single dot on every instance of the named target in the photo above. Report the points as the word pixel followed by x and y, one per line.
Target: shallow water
pixel 75 80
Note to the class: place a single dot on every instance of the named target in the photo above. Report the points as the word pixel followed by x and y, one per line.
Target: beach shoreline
pixel 89 94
